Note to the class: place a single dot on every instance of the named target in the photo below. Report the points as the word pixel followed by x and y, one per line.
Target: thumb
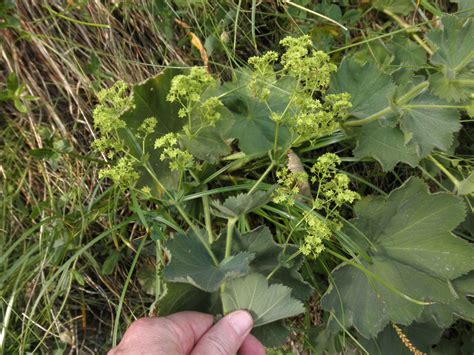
pixel 226 337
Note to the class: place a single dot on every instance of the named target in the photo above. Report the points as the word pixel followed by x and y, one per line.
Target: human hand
pixel 190 333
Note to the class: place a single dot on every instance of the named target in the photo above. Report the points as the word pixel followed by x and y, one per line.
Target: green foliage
pixel 271 260
pixel 240 205
pixel 191 263
pixel 14 91
pixel 385 144
pixel 398 124
pixel 412 258
pixel 266 303
pixel 369 88
pixel 454 58
pixel 187 140
pixel 250 118
pixel 402 7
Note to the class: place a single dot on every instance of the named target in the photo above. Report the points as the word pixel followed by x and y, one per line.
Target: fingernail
pixel 241 321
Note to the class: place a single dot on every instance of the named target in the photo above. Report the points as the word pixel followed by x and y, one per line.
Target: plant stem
pixel 275 141
pixel 197 232
pixel 415 91
pixel 228 242
pixel 228 249
pixel 265 173
pixel 369 119
pixel 445 171
pixel 316 13
pixel 463 82
pixel 406 26
pixel 124 290
pixel 207 218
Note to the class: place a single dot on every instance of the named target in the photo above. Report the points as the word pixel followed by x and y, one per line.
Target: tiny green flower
pixel 333 188
pixel 123 173
pixel 209 111
pixel 147 127
pixel 287 189
pixel 189 88
pixel 317 231
pixel 263 74
pixel 169 140
pixel 312 68
pixel 179 159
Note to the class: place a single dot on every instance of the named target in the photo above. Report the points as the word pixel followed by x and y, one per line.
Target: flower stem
pixel 228 242
pixel 265 173
pixel 445 171
pixel 275 141
pixel 207 218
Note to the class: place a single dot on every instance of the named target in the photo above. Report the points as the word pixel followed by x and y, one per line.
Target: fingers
pixel 189 327
pixel 252 346
pixel 175 334
pixel 226 337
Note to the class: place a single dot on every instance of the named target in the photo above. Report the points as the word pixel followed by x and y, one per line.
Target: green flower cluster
pixel 147 127
pixel 315 119
pixel 209 111
pixel 310 114
pixel 188 90
pixel 263 73
pixel 317 231
pixel 312 68
pixel 113 102
pixel 332 193
pixel 333 188
pixel 288 186
pixel 180 159
pixel 123 173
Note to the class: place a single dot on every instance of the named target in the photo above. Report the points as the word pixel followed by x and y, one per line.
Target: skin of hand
pixel 190 333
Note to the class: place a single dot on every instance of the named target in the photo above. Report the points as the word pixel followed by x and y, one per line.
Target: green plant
pixel 278 105
pixel 177 117
pixel 81 258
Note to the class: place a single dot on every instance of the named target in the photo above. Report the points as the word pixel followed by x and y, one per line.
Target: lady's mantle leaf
pixel 272 335
pixel 407 127
pixel 149 100
pixel 191 263
pixel 183 297
pixel 445 314
pixel 241 204
pixel 453 42
pixel 268 258
pixel 251 122
pixel 466 186
pixel 370 89
pixel 385 144
pixel 454 57
pixel 266 303
pixel 413 252
pixel 207 145
pixel 427 124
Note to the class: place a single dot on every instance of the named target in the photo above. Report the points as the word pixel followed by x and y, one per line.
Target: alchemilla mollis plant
pixel 240 184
